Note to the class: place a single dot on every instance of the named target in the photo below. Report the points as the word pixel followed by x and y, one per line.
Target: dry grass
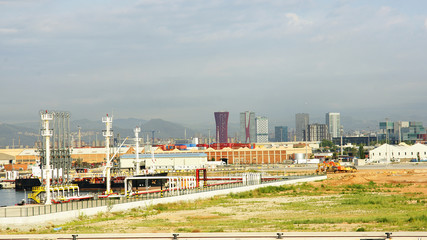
pixel 384 201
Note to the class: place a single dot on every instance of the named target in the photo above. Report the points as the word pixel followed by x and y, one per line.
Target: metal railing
pixel 36 210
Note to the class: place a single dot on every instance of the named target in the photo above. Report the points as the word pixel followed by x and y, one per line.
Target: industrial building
pixel 261 129
pixel 265 153
pixel 259 155
pixel 333 122
pixel 365 140
pixel 95 155
pixel 398 153
pixel 169 160
pixel 221 121
pixel 301 123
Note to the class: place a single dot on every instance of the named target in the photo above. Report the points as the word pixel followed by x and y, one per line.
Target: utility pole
pixel 341 133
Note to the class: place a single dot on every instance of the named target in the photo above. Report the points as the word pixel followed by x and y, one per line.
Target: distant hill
pixel 129 123
pixel 11 135
pixel 29 133
pixel 165 129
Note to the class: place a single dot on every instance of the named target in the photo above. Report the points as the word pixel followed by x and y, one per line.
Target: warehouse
pixel 174 161
pixel 400 153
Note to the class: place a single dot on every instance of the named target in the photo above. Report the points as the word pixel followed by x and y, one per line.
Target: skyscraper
pixel 247 127
pixel 301 122
pixel 334 124
pixel 281 133
pixel 261 129
pixel 221 120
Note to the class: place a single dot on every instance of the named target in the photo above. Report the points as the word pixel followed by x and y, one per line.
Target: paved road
pixel 229 236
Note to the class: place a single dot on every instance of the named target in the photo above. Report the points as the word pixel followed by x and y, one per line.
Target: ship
pixel 117 183
pixel 89 183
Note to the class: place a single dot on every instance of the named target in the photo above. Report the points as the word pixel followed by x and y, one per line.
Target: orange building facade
pixel 249 156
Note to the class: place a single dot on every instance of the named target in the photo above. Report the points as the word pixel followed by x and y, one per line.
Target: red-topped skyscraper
pixel 221 120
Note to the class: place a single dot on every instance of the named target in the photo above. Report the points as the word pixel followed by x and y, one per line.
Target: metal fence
pixel 36 210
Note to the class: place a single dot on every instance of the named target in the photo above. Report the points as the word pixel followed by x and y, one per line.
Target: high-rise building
pixel 221 120
pixel 281 133
pixel 317 132
pixel 301 123
pixel 247 127
pixel 334 124
pixel 261 129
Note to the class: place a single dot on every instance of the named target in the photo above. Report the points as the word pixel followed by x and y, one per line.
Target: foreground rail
pixel 218 236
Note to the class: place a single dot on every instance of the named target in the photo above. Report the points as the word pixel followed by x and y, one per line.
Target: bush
pixel 241 195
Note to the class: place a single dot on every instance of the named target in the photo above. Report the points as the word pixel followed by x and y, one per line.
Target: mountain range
pixel 26 134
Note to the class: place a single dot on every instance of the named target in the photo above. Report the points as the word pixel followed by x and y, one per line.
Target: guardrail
pixel 37 210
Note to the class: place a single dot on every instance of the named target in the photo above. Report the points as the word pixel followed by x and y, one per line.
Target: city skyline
pixel 182 61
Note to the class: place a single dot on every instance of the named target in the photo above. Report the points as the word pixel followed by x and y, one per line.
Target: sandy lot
pixel 415 180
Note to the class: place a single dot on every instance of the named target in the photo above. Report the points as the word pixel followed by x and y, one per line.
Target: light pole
pixel 137 130
pixel 107 134
pixel 47 133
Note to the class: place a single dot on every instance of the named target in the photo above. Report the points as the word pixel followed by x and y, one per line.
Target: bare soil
pixel 415 180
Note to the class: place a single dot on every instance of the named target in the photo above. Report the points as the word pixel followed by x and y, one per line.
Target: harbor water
pixel 10 197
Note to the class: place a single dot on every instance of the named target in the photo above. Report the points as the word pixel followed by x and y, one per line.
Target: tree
pixel 327 143
pixel 361 152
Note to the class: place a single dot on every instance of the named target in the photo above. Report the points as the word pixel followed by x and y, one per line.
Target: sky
pixel 183 60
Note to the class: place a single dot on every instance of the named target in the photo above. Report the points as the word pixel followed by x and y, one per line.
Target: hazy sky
pixel 183 60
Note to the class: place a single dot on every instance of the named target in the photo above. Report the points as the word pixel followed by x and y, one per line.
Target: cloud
pixel 395 20
pixel 384 10
pixel 8 30
pixel 296 21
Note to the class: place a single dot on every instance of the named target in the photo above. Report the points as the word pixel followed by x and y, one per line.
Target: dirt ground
pixel 414 179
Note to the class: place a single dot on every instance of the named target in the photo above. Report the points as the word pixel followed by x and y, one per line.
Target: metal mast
pixel 137 130
pixel 107 134
pixel 47 133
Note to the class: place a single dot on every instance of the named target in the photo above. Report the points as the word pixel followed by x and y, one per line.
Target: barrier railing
pixel 36 210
